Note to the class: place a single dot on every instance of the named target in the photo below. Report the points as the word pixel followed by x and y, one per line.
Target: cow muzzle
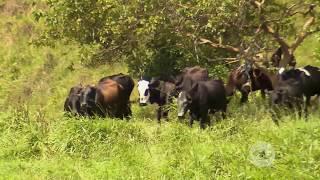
pixel 181 114
pixel 142 104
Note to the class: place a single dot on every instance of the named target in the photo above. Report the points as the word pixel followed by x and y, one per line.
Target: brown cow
pixel 277 57
pixel 103 99
pixel 108 93
pixel 247 82
pixel 110 97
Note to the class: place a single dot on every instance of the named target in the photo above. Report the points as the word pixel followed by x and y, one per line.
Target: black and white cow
pixel 294 84
pixel 156 91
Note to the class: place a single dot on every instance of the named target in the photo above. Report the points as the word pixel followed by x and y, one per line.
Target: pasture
pixel 38 142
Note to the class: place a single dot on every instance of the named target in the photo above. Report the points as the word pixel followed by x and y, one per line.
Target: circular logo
pixel 262 154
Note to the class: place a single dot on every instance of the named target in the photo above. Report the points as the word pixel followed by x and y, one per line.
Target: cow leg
pixel 193 116
pixel 244 97
pixel 299 108
pixel 126 111
pixel 275 115
pixel 159 113
pixel 166 115
pixel 203 118
pixel 263 93
pixel 129 112
pixel 223 112
pixel 306 107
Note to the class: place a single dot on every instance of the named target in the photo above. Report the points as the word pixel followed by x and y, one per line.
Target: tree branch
pixel 305 33
pixel 221 46
pixel 275 35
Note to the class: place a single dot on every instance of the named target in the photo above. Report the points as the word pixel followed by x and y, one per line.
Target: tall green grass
pixel 36 145
pixel 38 142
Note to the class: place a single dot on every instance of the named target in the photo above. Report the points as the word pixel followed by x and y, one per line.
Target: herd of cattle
pixel 195 91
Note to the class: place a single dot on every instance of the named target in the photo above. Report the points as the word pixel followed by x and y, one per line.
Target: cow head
pixel 185 100
pixel 88 97
pixel 277 96
pixel 287 92
pixel 72 103
pixel 144 94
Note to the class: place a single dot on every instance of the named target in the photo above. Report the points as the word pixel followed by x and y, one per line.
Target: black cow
pixel 72 102
pixel 296 83
pixel 204 96
pixel 287 94
pixel 161 93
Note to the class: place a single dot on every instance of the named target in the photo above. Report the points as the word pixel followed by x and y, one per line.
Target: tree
pixel 275 25
pixel 161 37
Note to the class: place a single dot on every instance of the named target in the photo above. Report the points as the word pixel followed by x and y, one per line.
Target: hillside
pixel 38 142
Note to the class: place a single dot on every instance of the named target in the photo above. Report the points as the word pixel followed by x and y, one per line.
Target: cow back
pixel 125 81
pixel 108 92
pixel 189 75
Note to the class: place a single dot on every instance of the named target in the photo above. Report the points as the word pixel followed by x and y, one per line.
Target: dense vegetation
pixel 38 66
pixel 158 38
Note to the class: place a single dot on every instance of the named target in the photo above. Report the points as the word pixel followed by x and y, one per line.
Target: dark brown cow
pixel 247 81
pixel 277 57
pixel 194 74
pixel 161 93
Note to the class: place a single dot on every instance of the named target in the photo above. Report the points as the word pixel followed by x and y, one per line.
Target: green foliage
pixel 152 35
pixel 159 38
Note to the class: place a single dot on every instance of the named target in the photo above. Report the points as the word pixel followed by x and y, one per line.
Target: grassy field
pixel 38 142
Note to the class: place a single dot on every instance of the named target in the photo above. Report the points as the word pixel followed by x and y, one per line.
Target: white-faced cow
pixel 158 91
pixel 161 90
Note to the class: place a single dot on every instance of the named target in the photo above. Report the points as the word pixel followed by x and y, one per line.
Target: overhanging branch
pixel 221 46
